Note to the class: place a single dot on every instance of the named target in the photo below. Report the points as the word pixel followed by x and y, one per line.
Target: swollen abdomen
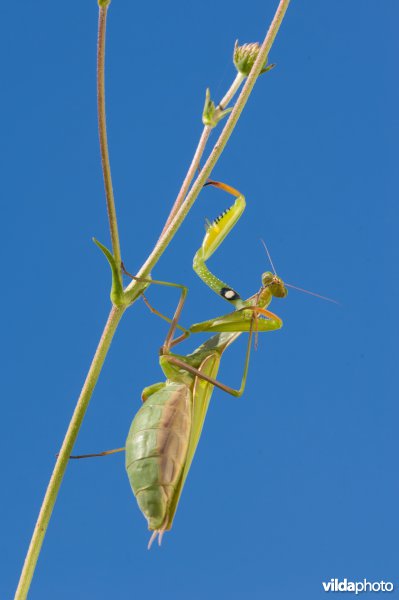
pixel 156 449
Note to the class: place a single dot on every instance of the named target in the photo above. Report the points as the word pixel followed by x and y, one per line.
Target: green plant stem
pixel 227 98
pixel 66 449
pixel 102 131
pixel 195 163
pixel 206 132
pixel 134 290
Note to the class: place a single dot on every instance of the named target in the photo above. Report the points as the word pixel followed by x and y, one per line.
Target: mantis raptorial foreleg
pixel 215 234
pixel 242 319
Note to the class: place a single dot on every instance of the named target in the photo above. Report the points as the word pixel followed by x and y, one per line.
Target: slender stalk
pixel 102 131
pixel 134 288
pixel 227 98
pixel 66 449
pixel 195 163
pixel 206 132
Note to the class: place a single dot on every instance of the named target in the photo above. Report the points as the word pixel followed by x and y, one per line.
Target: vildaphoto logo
pixel 335 585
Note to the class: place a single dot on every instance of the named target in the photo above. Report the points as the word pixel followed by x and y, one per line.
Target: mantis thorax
pixel 173 372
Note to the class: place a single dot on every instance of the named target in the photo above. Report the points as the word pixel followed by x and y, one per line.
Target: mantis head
pixel 270 280
pixel 274 284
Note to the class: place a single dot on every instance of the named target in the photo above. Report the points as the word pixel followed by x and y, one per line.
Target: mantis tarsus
pixel 165 432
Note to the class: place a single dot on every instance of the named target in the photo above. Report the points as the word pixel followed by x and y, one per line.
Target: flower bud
pixel 244 57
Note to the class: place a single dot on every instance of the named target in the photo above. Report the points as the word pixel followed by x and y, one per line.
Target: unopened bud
pixel 244 57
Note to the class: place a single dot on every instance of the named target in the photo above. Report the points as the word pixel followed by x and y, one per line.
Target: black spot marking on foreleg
pixel 229 294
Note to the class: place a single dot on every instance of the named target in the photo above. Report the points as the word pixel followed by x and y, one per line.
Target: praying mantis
pixel 165 432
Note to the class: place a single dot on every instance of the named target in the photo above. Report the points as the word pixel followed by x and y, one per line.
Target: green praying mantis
pixel 165 432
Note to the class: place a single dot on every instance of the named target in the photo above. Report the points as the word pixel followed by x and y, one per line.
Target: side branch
pixel 102 131
pixel 195 163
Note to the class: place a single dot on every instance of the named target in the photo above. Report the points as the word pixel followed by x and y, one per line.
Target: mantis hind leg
pixel 169 341
pixel 186 332
pixel 105 453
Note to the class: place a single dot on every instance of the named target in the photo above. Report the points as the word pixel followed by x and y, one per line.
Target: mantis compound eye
pixel 268 279
pixel 278 290
pixel 275 284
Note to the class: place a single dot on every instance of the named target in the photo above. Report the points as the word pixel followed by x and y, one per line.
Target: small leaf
pixel 117 293
pixel 212 114
pixel 268 68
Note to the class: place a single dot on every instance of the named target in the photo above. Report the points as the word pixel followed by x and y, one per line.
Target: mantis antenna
pixel 295 287
pixel 268 255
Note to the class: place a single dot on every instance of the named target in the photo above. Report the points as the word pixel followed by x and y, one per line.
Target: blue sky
pixel 296 482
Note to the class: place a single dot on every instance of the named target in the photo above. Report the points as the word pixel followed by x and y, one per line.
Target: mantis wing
pixel 201 395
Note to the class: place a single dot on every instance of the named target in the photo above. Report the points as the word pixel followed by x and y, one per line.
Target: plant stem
pixel 206 132
pixel 66 449
pixel 225 101
pixel 195 163
pixel 102 131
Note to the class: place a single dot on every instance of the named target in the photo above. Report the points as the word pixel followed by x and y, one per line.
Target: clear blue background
pixel 297 482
